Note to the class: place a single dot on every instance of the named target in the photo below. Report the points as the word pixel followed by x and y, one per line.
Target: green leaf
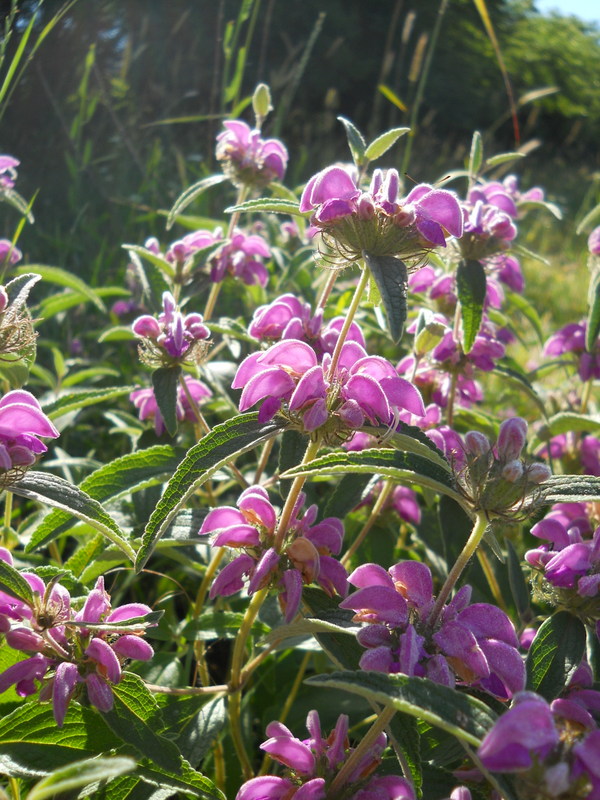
pixel 382 143
pixel 404 730
pixel 79 774
pixel 590 219
pixel 471 286
pixel 525 205
pixel 476 155
pixel 124 475
pixel 225 441
pixel 555 654
pixel 529 312
pixel 135 717
pixel 391 276
pixel 410 439
pixel 14 584
pixel 31 743
pixel 165 381
pixel 82 398
pixel 517 583
pixel 356 141
pixel 61 277
pixel 154 258
pixel 56 492
pixel 346 496
pixel 152 280
pixel 569 489
pixel 460 714
pixel 18 288
pixel 389 463
pixel 190 194
pixel 566 421
pixel 215 624
pixel 291 453
pixel 63 301
pixel 196 737
pixel 271 205
pixel 502 158
pixel 343 650
pixel 593 318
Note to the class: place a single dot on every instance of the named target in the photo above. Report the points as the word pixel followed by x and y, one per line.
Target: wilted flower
pixel 145 401
pixel 475 643
pixel 248 159
pixel 289 379
pixel 305 557
pixel 379 221
pixel 172 338
pixel 312 764
pixel 69 647
pixel 22 421
pixel 550 753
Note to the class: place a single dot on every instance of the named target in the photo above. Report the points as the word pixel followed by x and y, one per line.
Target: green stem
pixel 324 296
pixel 296 488
pixel 586 395
pixel 216 287
pixel 235 685
pixel 362 285
pixel 375 511
pixel 8 502
pixel 365 744
pixel 463 559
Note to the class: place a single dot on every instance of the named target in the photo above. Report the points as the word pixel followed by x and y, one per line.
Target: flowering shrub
pixel 313 495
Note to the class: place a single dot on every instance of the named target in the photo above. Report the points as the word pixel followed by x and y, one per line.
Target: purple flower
pixel 288 378
pixel 8 252
pixel 306 554
pixel 379 220
pixel 22 422
pixel 8 171
pixel 246 158
pixel 571 339
pixel 594 242
pixel 475 643
pixel 312 764
pixel 145 401
pixel 68 656
pixel 242 257
pixel 172 337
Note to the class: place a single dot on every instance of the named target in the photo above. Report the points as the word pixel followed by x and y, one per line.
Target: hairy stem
pixel 363 747
pixel 376 510
pixel 461 562
pixel 292 498
pixel 362 285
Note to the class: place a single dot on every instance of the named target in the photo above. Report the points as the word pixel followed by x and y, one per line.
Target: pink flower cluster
pixel 312 764
pixel 8 171
pixel 289 377
pixel 571 339
pixel 248 159
pixel 475 644
pixel 305 557
pixel 552 749
pixel 172 337
pixel 66 653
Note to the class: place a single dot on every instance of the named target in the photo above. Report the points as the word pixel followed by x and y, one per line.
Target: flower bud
pixel 511 438
pixel 538 473
pixel 513 471
pixel 477 444
pixel 146 326
pixel 428 337
pixel 261 103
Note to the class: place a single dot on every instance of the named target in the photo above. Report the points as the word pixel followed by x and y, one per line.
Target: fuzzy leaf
pixel 356 141
pixel 476 155
pixel 158 260
pixel 165 381
pixel 517 583
pixel 271 205
pixel 382 143
pixel 471 285
pixel 130 473
pixel 570 489
pixel 464 716
pixel 79 774
pixel 410 439
pixel 31 743
pixel 555 654
pixel 14 584
pixel 391 276
pixel 211 453
pixel 502 158
pixel 190 194
pixel 63 278
pixel 83 398
pixel 389 463
pixel 56 492
pixel 590 219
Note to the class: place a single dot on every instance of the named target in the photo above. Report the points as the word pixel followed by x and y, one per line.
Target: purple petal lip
pixel 102 652
pixel 237 536
pixel 99 692
pixel 268 787
pixel 223 517
pixel 129 611
pixel 378 604
pixel 130 646
pixel 291 752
